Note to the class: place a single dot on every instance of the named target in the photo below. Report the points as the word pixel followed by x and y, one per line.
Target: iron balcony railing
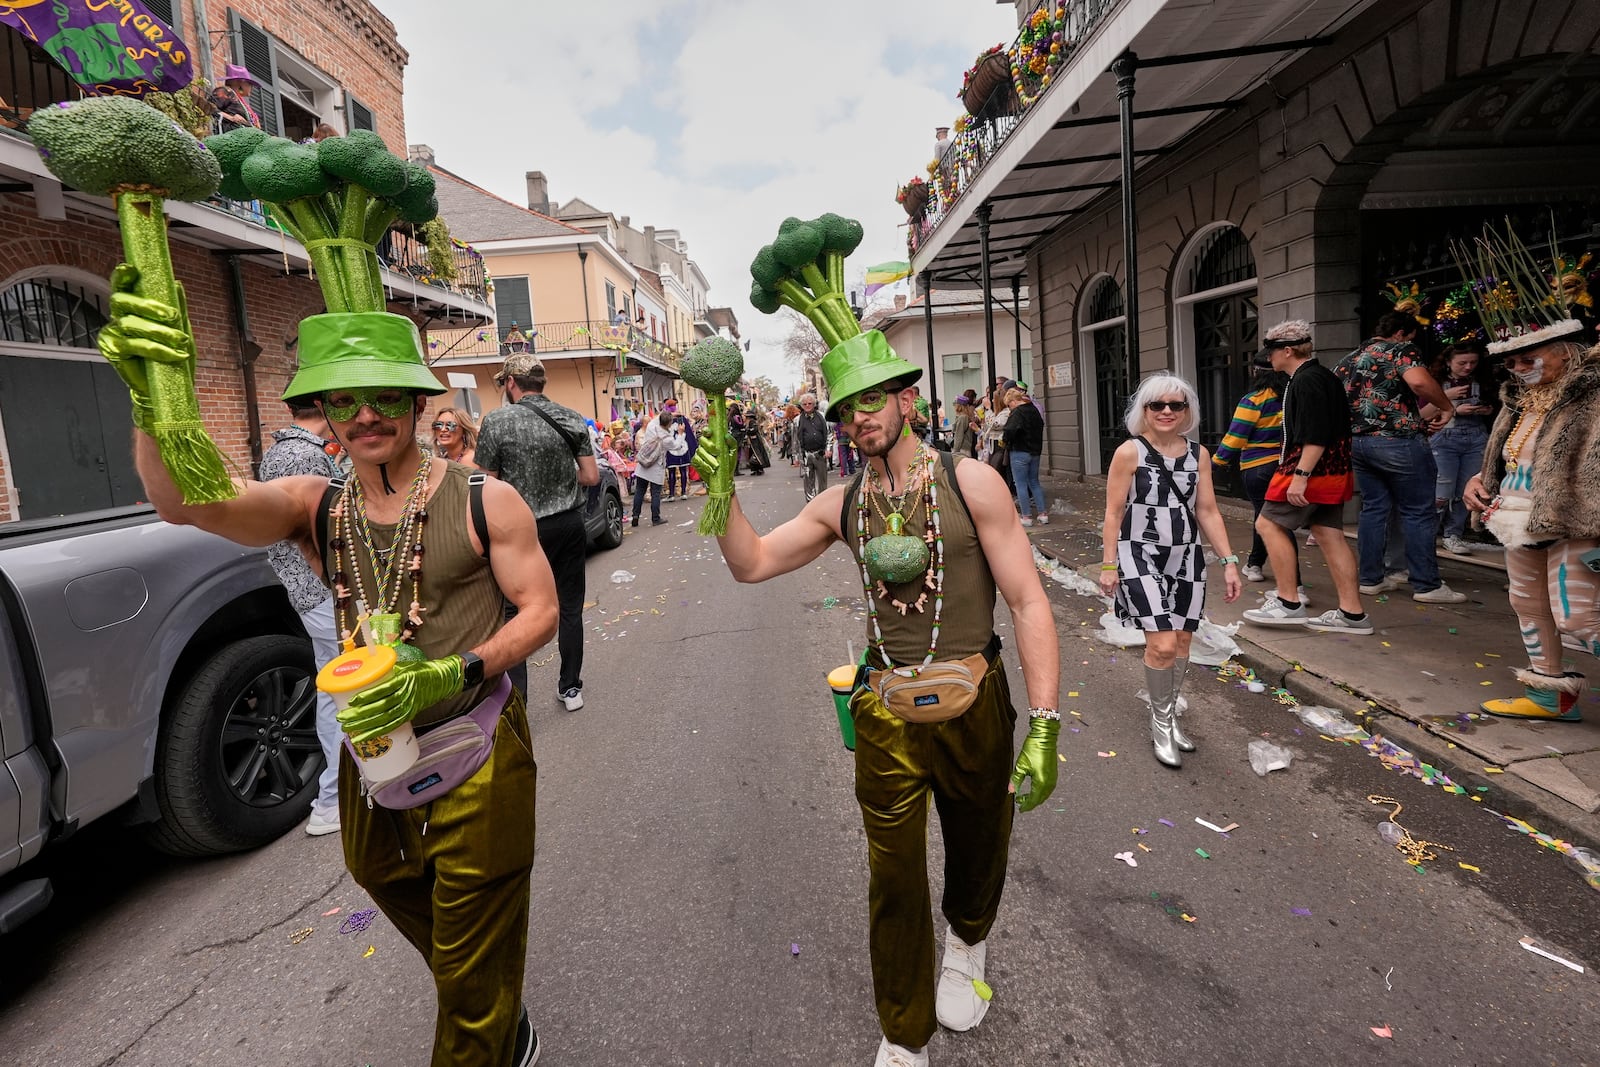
pixel 581 335
pixel 1067 24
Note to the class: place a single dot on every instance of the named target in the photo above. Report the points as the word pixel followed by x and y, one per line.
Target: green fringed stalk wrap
pixel 191 458
pixel 713 366
pixel 719 489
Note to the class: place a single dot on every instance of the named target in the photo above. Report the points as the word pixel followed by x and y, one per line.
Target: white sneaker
pixel 1457 546
pixel 1382 587
pixel 891 1055
pixel 572 698
pixel 1333 621
pixel 322 823
pixel 958 1005
pixel 1026 521
pixel 1252 574
pixel 1043 519
pixel 1273 613
pixel 1442 595
pixel 1399 577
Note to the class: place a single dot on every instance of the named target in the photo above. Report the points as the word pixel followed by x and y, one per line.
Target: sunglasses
pixel 444 427
pixel 1167 405
pixel 869 401
pixel 342 405
pixel 1516 360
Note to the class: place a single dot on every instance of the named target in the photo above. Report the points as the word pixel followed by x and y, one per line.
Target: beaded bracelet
pixel 1108 566
pixel 1044 713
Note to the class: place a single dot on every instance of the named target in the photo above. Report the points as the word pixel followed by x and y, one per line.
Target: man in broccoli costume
pixel 404 545
pixel 927 531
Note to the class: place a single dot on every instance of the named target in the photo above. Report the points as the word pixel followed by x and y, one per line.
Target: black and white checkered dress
pixel 1159 557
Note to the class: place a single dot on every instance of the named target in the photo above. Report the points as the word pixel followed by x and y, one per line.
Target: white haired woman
pixel 1159 500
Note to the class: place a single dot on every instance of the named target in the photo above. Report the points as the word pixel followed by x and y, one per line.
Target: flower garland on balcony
pixel 1040 50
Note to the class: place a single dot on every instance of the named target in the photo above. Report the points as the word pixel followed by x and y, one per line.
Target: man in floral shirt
pixel 1386 382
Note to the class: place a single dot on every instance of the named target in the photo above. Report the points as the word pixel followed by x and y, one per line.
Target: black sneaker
pixel 527 1050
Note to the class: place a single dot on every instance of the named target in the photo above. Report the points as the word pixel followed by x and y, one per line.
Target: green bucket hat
pixel 860 363
pixel 365 349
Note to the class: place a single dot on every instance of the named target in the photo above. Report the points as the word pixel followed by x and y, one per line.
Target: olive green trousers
pixel 453 878
pixel 965 765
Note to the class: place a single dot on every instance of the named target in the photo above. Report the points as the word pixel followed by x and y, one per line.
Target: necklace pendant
pixel 896 558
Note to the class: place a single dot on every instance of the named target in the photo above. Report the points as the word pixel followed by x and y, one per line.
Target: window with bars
pixel 1224 259
pixel 1107 341
pixel 45 311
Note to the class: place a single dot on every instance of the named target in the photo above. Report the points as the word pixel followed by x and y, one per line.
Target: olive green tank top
pixel 462 605
pixel 967 621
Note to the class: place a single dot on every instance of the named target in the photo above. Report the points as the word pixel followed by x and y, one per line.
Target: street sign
pixel 630 381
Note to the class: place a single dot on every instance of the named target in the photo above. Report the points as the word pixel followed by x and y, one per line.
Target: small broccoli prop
pixel 118 147
pixel 714 366
pixel 804 269
pixel 336 197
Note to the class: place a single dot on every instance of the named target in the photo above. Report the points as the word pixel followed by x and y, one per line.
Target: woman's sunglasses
pixel 342 405
pixel 1167 405
pixel 869 401
pixel 444 427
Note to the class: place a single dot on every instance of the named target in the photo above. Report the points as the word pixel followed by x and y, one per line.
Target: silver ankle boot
pixel 1180 667
pixel 1163 716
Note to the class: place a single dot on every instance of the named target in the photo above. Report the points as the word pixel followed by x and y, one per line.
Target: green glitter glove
pixel 142 329
pixel 409 689
pixel 1037 760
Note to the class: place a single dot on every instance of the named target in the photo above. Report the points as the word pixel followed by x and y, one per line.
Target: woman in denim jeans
pixel 1458 448
pixel 1024 439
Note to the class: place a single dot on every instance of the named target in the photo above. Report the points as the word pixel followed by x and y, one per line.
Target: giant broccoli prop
pixel 118 147
pixel 804 269
pixel 714 366
pixel 336 197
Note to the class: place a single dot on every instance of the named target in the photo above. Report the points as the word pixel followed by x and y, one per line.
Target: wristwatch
pixel 471 670
pixel 1298 473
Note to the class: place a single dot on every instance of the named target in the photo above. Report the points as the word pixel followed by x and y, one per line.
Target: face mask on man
pixel 1532 375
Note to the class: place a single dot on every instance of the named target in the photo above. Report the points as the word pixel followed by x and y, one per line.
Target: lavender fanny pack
pixel 447 755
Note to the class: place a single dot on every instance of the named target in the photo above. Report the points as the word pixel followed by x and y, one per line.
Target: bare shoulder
pixel 503 504
pixel 827 507
pixel 981 484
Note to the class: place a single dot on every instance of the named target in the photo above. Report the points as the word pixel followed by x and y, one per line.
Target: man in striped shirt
pixel 1255 436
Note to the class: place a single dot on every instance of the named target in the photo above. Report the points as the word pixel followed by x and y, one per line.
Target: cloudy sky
pixel 717 117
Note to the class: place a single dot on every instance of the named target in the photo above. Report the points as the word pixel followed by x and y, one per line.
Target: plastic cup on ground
pixel 842 680
pixel 388 755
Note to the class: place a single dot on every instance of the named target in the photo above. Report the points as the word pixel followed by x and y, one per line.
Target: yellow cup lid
pixel 842 677
pixel 356 669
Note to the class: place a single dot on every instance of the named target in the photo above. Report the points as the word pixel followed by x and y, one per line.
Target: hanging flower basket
pixel 915 200
pixel 987 89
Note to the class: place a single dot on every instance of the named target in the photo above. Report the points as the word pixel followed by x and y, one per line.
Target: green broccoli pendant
pixel 893 556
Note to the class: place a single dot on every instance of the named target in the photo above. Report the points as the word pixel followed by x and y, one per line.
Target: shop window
pixel 1104 336
pixel 513 306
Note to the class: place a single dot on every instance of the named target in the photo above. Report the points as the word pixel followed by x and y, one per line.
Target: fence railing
pixel 1032 62
pixel 580 335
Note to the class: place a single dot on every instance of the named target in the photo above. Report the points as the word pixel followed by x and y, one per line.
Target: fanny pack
pixel 941 691
pixel 1507 518
pixel 448 754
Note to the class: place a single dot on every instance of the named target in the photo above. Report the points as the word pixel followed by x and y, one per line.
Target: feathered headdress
pixel 1407 301
pixel 1511 293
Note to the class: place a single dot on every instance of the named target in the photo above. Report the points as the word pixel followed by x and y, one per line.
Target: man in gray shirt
pixel 544 451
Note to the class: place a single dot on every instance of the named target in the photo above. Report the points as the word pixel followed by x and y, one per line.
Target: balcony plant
pixel 986 86
pixel 913 196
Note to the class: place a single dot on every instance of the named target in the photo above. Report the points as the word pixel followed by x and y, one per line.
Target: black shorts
pixel 1293 516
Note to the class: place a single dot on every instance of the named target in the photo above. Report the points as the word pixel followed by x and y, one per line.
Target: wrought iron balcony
pixel 581 335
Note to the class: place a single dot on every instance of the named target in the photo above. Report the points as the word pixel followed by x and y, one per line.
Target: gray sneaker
pixel 1457 546
pixel 1273 613
pixel 1333 621
pixel 1442 595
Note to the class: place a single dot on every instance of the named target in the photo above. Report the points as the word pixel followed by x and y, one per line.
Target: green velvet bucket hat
pixel 355 350
pixel 859 363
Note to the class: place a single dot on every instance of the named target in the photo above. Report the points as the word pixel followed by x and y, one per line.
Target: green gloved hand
pixel 409 689
pixel 142 329
pixel 1037 760
pixel 715 462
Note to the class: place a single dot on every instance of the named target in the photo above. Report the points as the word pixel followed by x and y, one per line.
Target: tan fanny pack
pixel 938 692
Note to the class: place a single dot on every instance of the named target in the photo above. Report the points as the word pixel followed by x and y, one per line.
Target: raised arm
pixel 263 513
pixel 752 557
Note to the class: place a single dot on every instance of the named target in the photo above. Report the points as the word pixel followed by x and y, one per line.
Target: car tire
pixel 237 757
pixel 610 535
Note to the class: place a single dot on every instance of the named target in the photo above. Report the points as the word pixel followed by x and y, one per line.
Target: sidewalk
pixel 1418 680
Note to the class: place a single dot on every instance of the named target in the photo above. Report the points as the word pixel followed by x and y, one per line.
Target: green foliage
pixel 184 107
pixel 107 143
pixel 441 253
pixel 713 366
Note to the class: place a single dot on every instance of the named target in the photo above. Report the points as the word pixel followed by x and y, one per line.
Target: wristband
pixel 1228 560
pixel 1108 566
pixel 1044 713
pixel 1298 473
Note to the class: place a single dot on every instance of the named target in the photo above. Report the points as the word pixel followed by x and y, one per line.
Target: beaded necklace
pixel 1535 407
pixel 350 525
pixel 933 579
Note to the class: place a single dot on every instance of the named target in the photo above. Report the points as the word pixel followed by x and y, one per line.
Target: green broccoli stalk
pixel 714 366
pixel 118 147
pixel 803 268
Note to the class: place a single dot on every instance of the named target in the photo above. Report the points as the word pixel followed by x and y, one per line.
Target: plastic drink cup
pixel 389 755
pixel 842 680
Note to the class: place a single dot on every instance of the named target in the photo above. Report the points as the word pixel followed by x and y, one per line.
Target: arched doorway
pixel 1103 338
pixel 64 413
pixel 1218 324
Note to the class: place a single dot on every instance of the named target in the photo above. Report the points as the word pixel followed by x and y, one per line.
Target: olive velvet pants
pixel 459 890
pixel 965 764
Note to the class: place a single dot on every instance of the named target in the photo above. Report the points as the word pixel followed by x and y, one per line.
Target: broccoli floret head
pixel 279 171
pixel 798 243
pixel 232 149
pixel 766 269
pixel 714 365
pixel 840 236
pixel 106 143
pixel 763 299
pixel 362 157
pixel 416 202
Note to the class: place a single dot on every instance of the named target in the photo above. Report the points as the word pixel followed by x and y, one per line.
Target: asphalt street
pixel 699 896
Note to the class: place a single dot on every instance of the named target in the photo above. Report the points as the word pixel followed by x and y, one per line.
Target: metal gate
pixel 68 435
pixel 1112 380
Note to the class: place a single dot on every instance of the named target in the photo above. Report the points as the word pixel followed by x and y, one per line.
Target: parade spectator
pixel 542 448
pixel 1024 438
pixel 1543 456
pixel 921 415
pixel 679 449
pixel 1255 438
pixel 303 447
pixel 1310 487
pixel 516 340
pixel 941 141
pixel 963 442
pixel 1385 383
pixel 232 99
pixel 1159 500
pixel 991 443
pixel 849 459
pixel 650 466
pixel 811 435
pixel 455 436
pixel 323 131
pixel 1458 446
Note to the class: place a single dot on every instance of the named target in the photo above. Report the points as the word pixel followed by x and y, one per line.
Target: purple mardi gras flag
pixel 107 46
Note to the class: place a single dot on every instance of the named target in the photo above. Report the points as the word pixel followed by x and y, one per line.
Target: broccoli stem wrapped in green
pixel 803 268
pixel 714 366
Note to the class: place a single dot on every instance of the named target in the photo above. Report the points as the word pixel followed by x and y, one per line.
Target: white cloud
pixel 715 117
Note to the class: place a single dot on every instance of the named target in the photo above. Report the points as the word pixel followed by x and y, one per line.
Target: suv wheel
pixel 237 760
pixel 610 535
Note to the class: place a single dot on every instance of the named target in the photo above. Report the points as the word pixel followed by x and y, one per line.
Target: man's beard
pixel 891 433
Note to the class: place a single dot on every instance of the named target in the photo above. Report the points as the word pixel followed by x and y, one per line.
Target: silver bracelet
pixel 1044 713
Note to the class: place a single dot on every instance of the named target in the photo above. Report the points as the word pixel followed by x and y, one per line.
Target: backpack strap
pixel 950 460
pixel 480 520
pixel 849 501
pixel 324 506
